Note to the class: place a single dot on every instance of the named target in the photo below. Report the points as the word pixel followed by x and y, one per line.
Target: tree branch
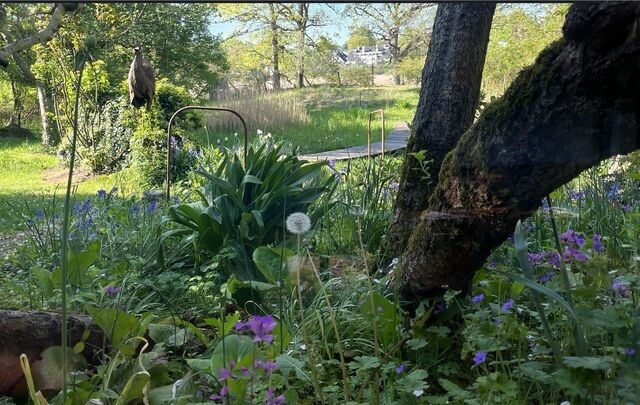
pixel 39 37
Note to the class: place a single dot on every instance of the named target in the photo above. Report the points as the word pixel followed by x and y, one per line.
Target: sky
pixel 336 29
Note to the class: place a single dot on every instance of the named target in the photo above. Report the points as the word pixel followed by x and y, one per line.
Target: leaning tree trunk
pixel 577 105
pixel 448 97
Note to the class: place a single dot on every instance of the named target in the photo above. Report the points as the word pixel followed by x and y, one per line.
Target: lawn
pixel 313 119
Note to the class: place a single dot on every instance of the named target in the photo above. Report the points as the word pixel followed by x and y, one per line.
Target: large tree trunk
pixel 275 47
pixel 577 105
pixel 448 98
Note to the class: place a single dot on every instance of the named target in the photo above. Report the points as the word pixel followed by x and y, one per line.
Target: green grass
pixel 31 175
pixel 314 119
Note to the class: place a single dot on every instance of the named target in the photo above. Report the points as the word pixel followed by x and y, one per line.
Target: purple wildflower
pixel 261 326
pixel 528 227
pixel 102 193
pixel 545 278
pixel 39 214
pixel 553 258
pixel 535 259
pixel 614 191
pixel 478 298
pixel 153 206
pixel 629 351
pixel 479 358
pixel 394 185
pixel 577 196
pixel 440 307
pixel 225 373
pixel 491 265
pixel 621 289
pixel 112 290
pixel 271 400
pixel 400 369
pixel 332 164
pixel 267 366
pixel 223 393
pixel 626 207
pixel 573 254
pixel 571 237
pixel 507 305
pixel 597 243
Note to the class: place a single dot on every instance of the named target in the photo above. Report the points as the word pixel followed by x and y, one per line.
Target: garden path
pixel 397 139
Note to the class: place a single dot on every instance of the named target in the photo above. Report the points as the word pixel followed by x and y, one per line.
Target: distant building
pixel 367 55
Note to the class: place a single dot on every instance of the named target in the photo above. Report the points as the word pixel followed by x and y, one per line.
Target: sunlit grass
pixel 313 119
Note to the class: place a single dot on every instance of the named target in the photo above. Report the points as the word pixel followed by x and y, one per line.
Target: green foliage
pixel 356 76
pixel 410 69
pixel 516 39
pixel 243 207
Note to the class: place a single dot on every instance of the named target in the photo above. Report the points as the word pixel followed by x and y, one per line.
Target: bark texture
pixel 576 106
pixel 448 98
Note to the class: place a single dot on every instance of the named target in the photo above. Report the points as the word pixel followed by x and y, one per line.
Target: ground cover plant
pixel 267 281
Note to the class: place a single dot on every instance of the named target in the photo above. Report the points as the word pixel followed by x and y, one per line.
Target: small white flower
pixel 259 132
pixel 417 393
pixel 298 223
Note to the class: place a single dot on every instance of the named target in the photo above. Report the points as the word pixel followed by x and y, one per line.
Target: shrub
pixel 243 207
pixel 356 76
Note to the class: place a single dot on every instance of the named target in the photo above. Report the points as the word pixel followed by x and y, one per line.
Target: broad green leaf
pixel 136 387
pixel 171 335
pixel 116 324
pixel 364 363
pixel 591 363
pixel 286 364
pixel 272 262
pixel 233 347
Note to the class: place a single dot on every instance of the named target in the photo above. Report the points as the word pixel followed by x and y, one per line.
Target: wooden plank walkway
pixel 397 139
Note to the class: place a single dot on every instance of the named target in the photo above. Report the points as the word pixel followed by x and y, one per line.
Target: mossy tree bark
pixel 576 106
pixel 448 99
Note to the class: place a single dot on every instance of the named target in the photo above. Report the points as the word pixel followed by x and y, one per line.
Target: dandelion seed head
pixel 298 223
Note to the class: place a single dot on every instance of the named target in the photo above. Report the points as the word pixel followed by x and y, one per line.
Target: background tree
pixel 359 36
pixel 396 24
pixel 576 106
pixel 518 34
pixel 22 26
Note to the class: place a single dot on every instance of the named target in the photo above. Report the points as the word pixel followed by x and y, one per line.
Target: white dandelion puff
pixel 298 223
